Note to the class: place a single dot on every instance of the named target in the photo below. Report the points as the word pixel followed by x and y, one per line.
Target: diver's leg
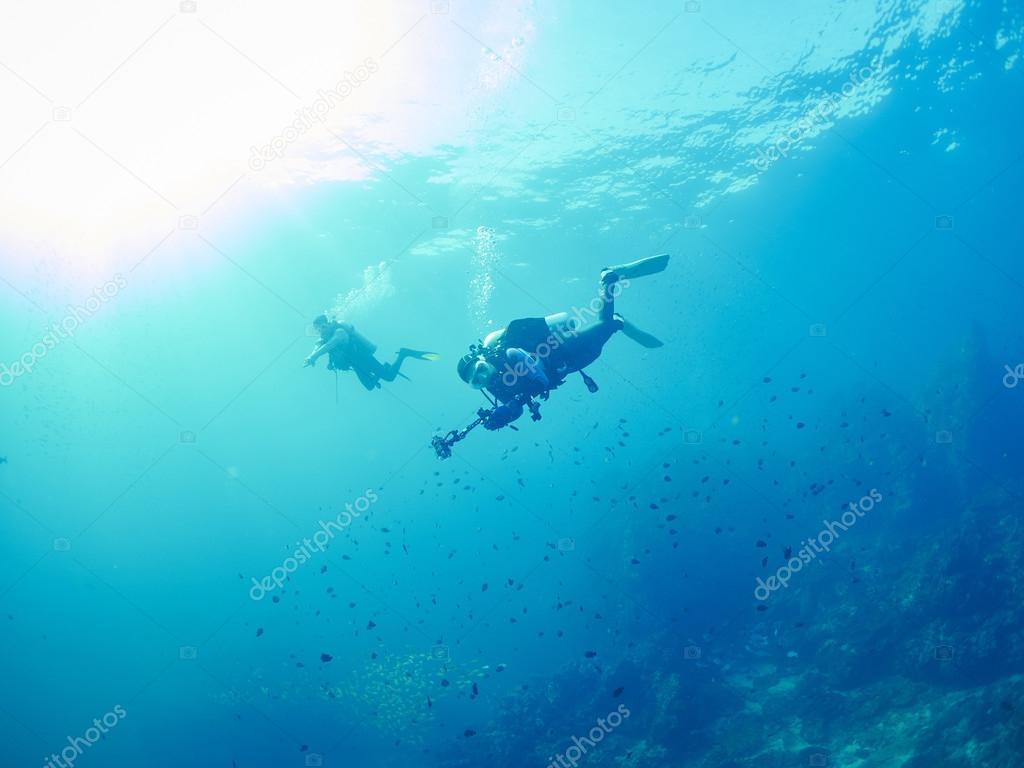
pixel 610 278
pixel 606 292
pixel 585 346
pixel 370 371
pixel 390 371
pixel 369 380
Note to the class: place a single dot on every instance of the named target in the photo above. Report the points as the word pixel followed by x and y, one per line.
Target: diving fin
pixel 642 338
pixel 417 355
pixel 652 265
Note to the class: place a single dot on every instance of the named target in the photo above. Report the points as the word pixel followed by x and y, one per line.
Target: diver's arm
pixel 339 337
pixel 504 415
pixel 528 369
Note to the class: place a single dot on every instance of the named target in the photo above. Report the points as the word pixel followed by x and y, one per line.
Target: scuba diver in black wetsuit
pixel 348 350
pixel 534 355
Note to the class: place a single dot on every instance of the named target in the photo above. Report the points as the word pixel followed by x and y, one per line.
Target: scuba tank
pixel 559 324
pixel 360 344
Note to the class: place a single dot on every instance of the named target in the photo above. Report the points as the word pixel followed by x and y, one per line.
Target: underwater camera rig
pixel 442 444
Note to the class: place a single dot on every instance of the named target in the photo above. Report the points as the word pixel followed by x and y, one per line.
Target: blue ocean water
pixel 788 537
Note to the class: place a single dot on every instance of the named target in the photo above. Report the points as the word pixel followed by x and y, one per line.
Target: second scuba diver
pixel 348 350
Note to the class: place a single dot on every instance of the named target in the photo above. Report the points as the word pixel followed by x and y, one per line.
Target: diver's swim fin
pixel 642 338
pixel 432 356
pixel 652 265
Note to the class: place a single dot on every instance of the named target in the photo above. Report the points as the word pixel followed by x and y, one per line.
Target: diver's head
pixel 321 324
pixel 476 371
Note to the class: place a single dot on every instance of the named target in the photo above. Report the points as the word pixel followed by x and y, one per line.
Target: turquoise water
pixel 837 184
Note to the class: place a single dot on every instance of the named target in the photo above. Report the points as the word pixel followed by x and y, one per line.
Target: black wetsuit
pixel 555 356
pixel 566 352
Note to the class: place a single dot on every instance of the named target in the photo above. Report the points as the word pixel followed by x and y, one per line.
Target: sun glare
pixel 176 114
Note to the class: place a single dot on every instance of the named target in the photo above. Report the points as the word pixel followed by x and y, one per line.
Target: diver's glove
pixel 503 415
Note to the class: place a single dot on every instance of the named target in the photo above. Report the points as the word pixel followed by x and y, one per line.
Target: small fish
pixel 259 632
pixel 325 657
pixel 467 733
pixel 590 654
pixel 617 692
